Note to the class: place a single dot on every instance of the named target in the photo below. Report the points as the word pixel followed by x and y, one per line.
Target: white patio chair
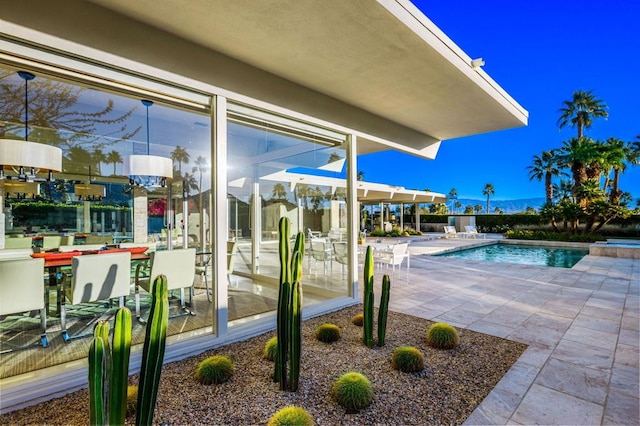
pixel 321 251
pixel 393 257
pixel 450 232
pixel 23 290
pixel 204 268
pixel 18 243
pixel 472 232
pixel 179 266
pixel 17 253
pixel 341 253
pixel 93 278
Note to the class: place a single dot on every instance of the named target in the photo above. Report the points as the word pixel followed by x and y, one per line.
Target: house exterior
pixel 241 91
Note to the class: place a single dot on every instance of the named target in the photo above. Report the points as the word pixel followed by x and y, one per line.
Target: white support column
pixel 219 214
pixel 416 208
pixel 256 228
pixel 352 214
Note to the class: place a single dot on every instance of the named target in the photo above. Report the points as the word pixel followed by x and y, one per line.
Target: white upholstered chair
pixel 22 290
pixel 393 257
pixel 179 268
pixel 18 243
pixel 80 247
pixel 94 277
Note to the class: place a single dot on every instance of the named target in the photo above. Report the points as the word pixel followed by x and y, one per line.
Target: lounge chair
pixel 450 232
pixel 472 232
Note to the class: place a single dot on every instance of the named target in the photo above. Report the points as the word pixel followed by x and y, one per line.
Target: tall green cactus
pixel 153 352
pixel 287 366
pixel 118 380
pixel 368 298
pixel 97 381
pixel 383 310
pixel 108 400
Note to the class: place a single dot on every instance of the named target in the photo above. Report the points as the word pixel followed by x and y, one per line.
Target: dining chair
pixel 16 253
pixel 18 243
pixel 152 246
pixel 178 266
pixel 51 242
pixel 393 257
pixel 94 277
pixel 22 290
pixel 80 247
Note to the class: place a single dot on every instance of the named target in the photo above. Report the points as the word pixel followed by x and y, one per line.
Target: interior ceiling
pixel 355 51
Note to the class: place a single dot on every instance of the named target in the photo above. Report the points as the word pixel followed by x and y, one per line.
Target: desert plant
pixel 442 336
pixel 271 349
pixel 328 333
pixel 407 359
pixel 132 397
pixel 153 352
pixel 383 310
pixel 358 319
pixel 368 297
pixel 109 370
pixel 289 316
pixel 215 370
pixel 353 391
pixel 291 416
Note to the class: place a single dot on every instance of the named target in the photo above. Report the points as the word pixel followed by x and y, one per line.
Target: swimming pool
pixel 559 257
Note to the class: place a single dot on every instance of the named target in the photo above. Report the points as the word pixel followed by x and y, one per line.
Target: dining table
pixel 55 262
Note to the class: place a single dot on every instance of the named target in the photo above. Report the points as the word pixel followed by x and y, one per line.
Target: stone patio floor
pixel 582 326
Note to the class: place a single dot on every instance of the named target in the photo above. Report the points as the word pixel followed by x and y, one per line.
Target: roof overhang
pixel 394 74
pixel 368 192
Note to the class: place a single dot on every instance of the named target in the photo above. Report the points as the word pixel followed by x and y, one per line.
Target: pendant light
pixel 149 171
pixel 26 159
pixel 89 191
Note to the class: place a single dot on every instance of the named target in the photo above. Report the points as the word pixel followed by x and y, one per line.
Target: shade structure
pixel 148 170
pixel 18 153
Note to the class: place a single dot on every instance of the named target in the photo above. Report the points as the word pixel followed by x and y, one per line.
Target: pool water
pixel 559 257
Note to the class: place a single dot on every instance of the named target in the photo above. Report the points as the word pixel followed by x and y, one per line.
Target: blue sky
pixel 540 52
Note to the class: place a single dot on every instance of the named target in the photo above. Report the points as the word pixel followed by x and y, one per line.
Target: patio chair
pixel 321 251
pixel 93 278
pixel 22 290
pixel 81 247
pixel 16 253
pixel 450 232
pixel 393 257
pixel 472 232
pixel 18 243
pixel 341 253
pixel 51 242
pixel 313 234
pixel 204 267
pixel 179 266
pixel 152 246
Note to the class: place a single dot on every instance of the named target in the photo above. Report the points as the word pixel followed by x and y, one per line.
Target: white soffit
pixel 382 56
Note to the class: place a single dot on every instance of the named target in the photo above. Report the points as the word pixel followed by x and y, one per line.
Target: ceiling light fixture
pixel 27 159
pixel 149 171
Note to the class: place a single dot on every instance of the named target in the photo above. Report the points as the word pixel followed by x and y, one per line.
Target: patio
pixel 581 325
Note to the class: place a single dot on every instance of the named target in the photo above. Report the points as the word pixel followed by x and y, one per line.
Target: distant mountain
pixel 507 206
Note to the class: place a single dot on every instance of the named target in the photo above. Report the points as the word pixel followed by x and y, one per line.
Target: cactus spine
pixel 289 318
pixel 153 352
pixel 368 298
pixel 109 364
pixel 383 310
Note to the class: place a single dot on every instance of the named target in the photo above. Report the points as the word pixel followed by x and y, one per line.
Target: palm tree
pixel 478 208
pixel 545 167
pixel 114 157
pixel 578 153
pixel 99 157
pixel 180 155
pixel 581 110
pixel 488 190
pixel 278 191
pixel 201 166
pixel 563 191
pixel 458 205
pixel 453 195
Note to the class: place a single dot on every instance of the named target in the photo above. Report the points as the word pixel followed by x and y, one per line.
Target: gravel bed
pixel 452 385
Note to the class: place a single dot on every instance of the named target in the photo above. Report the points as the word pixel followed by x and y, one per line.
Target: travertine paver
pixel 582 325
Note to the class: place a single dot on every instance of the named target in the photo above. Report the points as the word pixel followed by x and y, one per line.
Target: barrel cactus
pixel 291 416
pixel 442 336
pixel 215 370
pixel 353 391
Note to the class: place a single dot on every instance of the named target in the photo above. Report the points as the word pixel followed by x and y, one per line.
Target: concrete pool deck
pixel 582 326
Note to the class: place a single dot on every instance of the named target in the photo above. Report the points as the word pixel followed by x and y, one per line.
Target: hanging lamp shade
pixel 148 170
pixel 25 158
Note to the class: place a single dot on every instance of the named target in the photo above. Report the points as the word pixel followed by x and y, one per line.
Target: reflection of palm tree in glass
pixel 278 192
pixel 78 160
pixel 201 166
pixel 98 158
pixel 303 191
pixel 180 155
pixel 114 158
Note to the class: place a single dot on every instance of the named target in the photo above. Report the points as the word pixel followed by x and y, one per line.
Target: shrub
pixel 328 333
pixel 215 370
pixel 353 391
pixel 132 399
pixel 407 359
pixel 442 336
pixel 271 349
pixel 291 416
pixel 358 319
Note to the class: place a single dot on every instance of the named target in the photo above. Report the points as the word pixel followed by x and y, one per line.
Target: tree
pixel 114 158
pixel 453 195
pixel 545 167
pixel 478 208
pixel 617 154
pixel 180 155
pixel 498 210
pixel 458 205
pixel 577 154
pixel 488 190
pixel 278 191
pixel 468 209
pixel 98 157
pixel 54 116
pixel 201 166
pixel 580 111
